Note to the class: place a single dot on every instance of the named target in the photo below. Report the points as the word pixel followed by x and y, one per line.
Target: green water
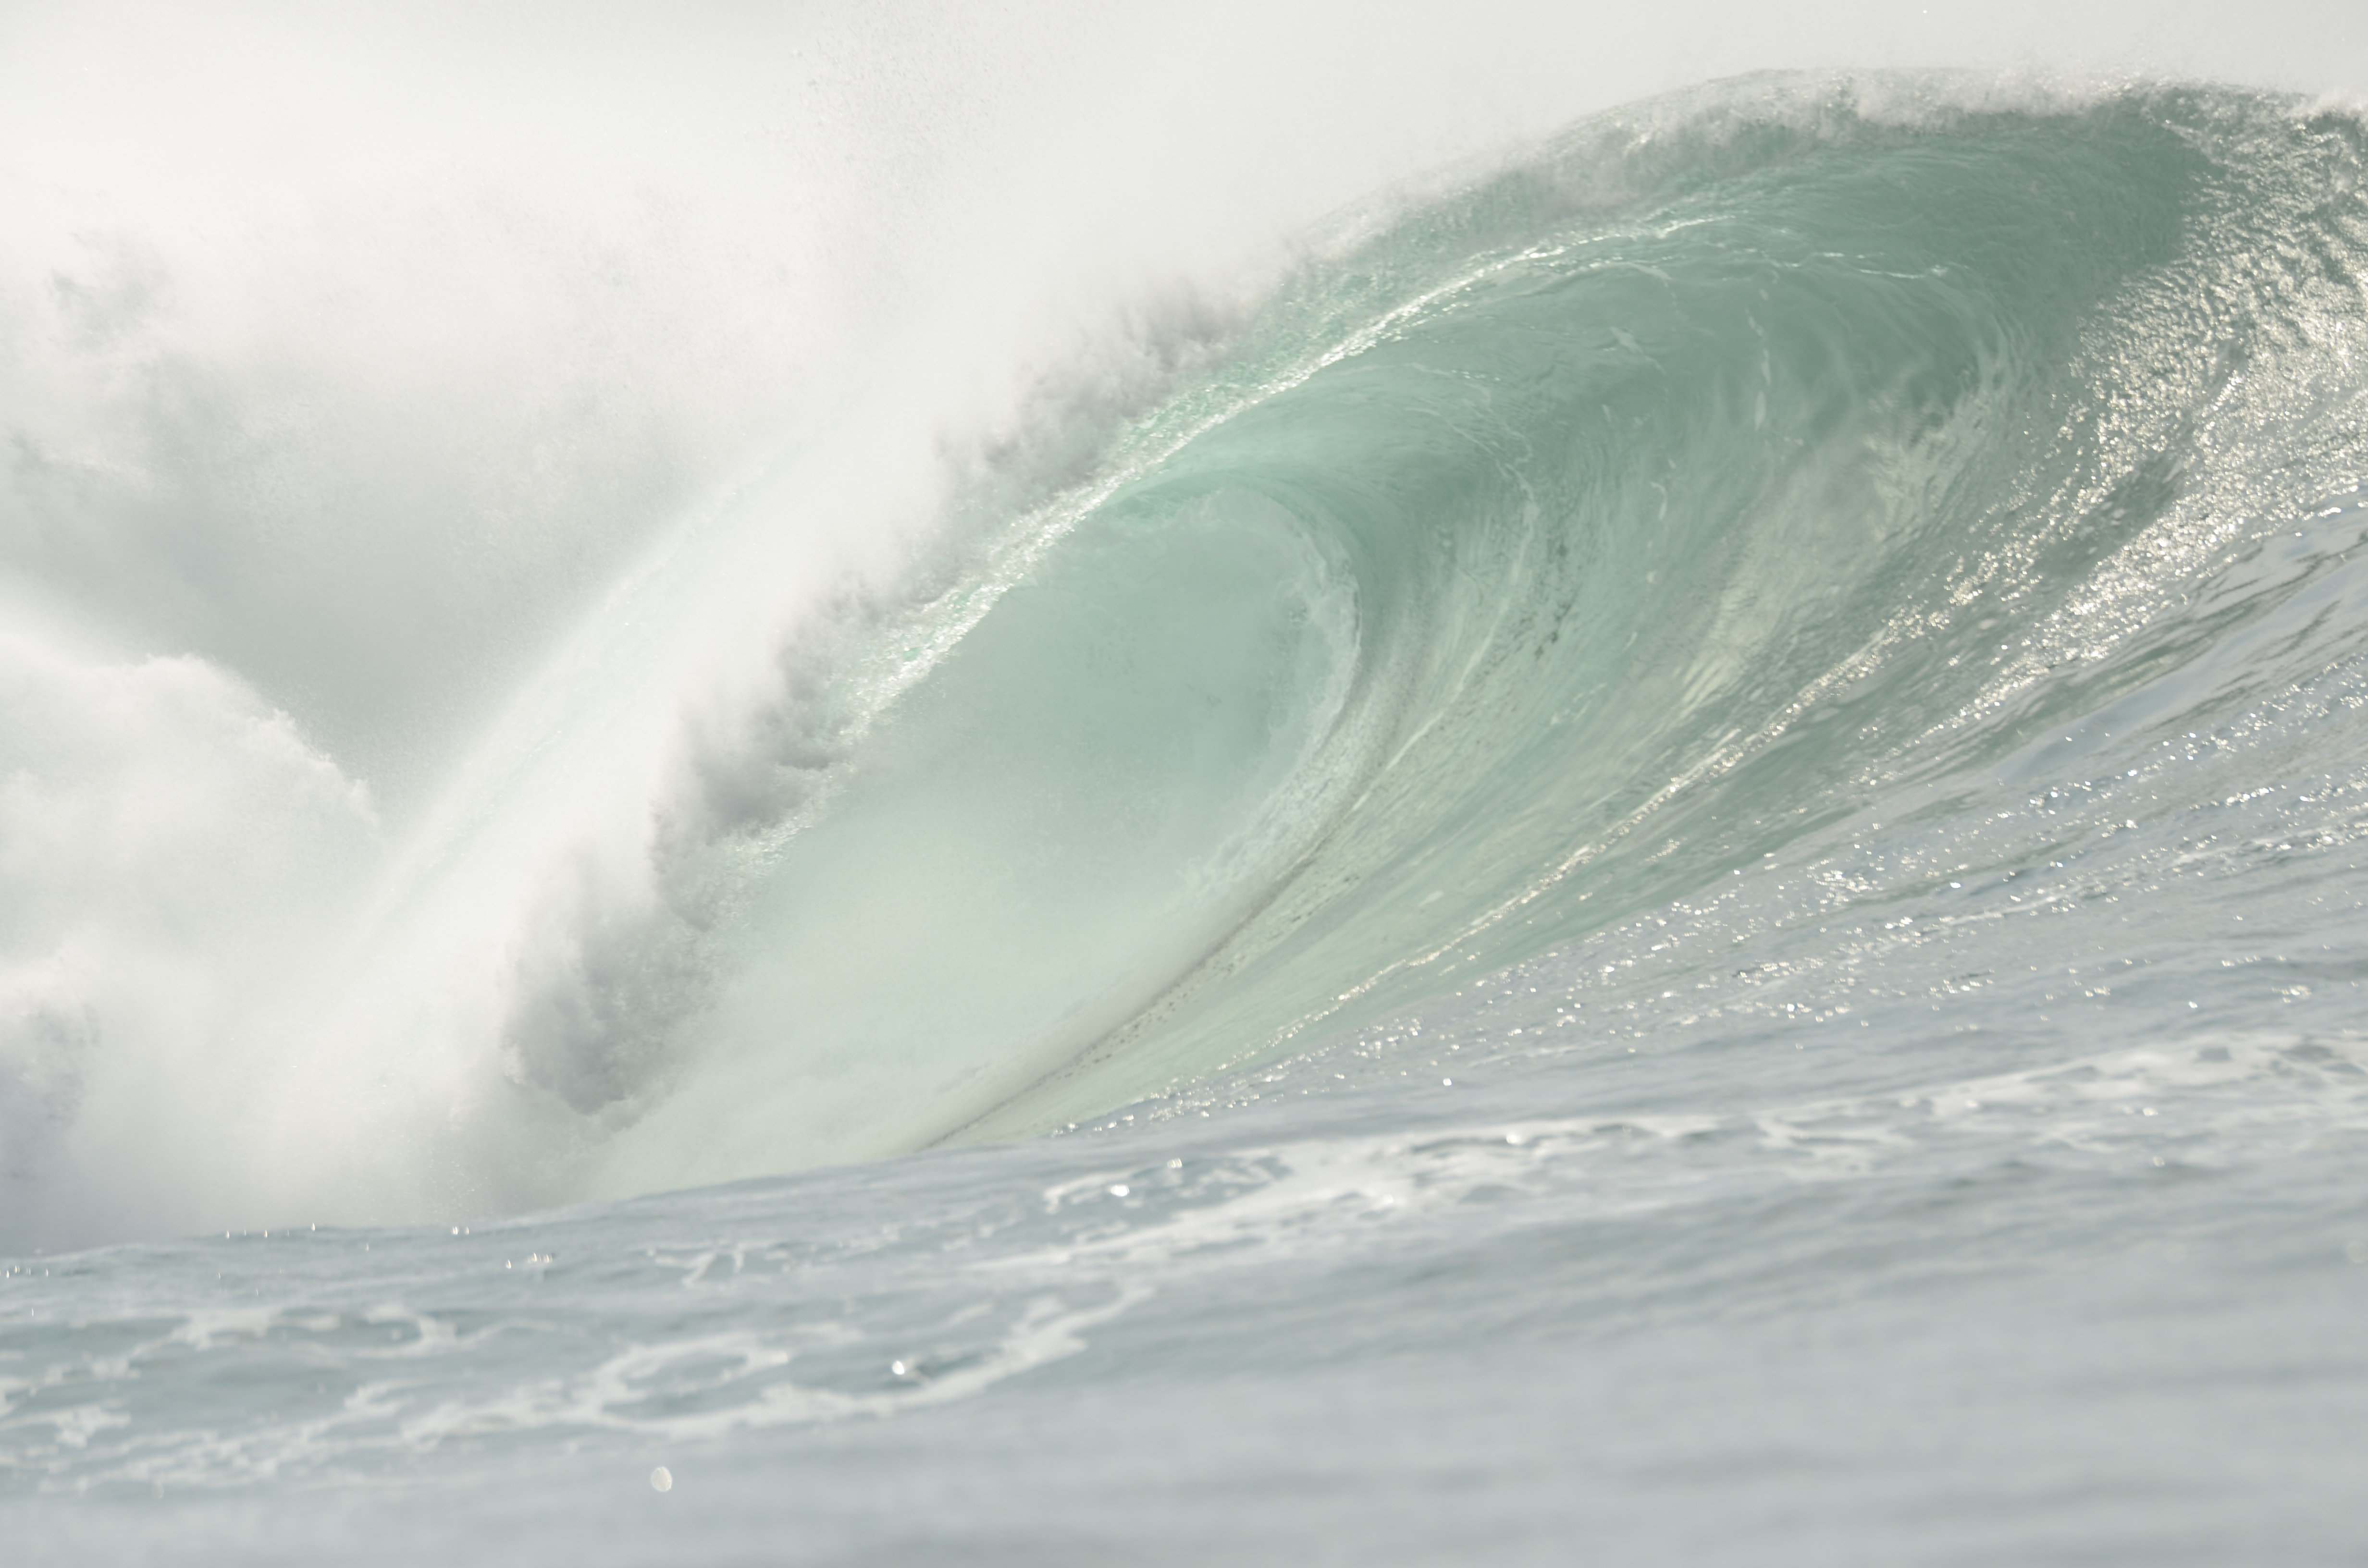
pixel 1550 552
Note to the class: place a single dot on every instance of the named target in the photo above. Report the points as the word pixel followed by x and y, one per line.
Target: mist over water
pixel 365 397
pixel 1034 696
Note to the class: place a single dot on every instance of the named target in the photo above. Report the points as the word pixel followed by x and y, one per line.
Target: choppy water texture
pixel 1675 855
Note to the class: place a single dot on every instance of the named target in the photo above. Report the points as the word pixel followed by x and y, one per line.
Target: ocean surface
pixel 1661 866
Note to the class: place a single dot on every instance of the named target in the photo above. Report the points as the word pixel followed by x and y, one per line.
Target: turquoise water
pixel 1662 868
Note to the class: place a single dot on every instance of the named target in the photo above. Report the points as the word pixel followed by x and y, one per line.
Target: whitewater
pixel 1650 854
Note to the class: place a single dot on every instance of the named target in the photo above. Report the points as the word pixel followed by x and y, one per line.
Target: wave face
pixel 1545 553
pixel 1552 552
